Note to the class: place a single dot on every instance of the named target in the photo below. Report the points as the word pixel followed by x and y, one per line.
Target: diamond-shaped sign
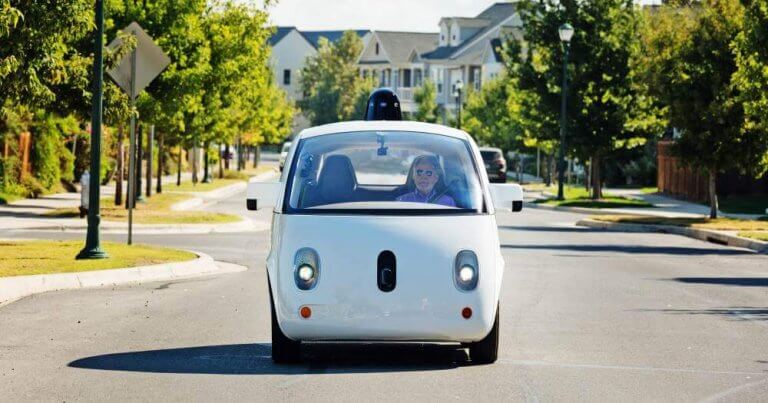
pixel 150 61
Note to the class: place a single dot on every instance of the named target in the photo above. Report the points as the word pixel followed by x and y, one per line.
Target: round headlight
pixel 466 274
pixel 306 272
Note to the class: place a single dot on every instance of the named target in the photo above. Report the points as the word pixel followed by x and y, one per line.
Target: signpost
pixel 133 74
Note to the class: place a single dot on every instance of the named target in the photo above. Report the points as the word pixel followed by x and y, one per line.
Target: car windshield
pixel 490 155
pixel 384 171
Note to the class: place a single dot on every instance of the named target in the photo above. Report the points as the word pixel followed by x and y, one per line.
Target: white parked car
pixel 284 154
pixel 384 231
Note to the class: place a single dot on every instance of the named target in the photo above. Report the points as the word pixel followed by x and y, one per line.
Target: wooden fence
pixel 676 179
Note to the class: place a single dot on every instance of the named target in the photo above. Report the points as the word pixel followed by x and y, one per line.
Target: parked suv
pixel 495 165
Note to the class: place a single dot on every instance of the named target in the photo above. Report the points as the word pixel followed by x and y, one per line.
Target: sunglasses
pixel 424 172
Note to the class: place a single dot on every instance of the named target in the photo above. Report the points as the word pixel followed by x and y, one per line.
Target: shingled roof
pixel 495 15
pixel 313 37
pixel 400 45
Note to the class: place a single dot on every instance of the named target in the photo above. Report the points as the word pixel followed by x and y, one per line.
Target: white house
pixel 395 59
pixel 469 49
pixel 465 48
pixel 290 50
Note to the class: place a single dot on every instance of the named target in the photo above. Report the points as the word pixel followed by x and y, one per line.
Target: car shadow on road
pixel 635 249
pixel 256 359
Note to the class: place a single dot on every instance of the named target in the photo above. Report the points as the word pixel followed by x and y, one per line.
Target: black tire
pixel 284 350
pixel 486 351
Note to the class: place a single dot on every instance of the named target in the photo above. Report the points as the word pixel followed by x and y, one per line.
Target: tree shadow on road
pixel 734 281
pixel 535 228
pixel 635 249
pixel 737 313
pixel 256 359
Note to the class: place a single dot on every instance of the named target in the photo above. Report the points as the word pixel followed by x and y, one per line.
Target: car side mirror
pixel 507 196
pixel 262 194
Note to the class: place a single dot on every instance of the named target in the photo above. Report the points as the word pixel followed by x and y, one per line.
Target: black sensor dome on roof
pixel 383 104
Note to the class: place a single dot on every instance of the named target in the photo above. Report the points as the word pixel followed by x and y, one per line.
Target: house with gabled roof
pixel 290 50
pixel 394 58
pixel 469 49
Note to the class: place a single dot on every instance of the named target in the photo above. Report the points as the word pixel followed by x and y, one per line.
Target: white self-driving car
pixel 384 231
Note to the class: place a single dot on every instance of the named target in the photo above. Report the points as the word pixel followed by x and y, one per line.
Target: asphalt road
pixel 585 316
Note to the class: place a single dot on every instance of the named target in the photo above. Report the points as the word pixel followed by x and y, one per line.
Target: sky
pixel 383 15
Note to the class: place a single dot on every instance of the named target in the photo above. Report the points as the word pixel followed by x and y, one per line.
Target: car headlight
pixel 466 271
pixel 466 274
pixel 306 268
pixel 306 272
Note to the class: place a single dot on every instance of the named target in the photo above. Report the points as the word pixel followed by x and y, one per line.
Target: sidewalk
pixel 670 207
pixel 30 214
pixel 663 206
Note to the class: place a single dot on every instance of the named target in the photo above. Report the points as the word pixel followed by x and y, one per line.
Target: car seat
pixel 336 183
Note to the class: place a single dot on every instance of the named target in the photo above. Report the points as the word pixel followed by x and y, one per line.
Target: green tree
pixel 426 99
pixel 487 116
pixel 690 67
pixel 605 108
pixel 331 81
pixel 751 78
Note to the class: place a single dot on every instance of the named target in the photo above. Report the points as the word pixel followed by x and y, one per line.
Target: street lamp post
pixel 459 86
pixel 566 33
pixel 92 249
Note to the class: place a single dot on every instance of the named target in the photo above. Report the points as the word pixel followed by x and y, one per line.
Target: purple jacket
pixel 416 197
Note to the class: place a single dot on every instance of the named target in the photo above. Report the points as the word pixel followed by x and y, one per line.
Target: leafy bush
pixel 33 187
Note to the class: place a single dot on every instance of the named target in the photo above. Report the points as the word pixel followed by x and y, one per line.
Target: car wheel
pixel 284 350
pixel 486 351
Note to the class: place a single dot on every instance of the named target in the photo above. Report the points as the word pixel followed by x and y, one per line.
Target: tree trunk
pixel 588 175
pixel 150 158
pixel 712 193
pixel 597 182
pixel 159 188
pixel 194 164
pixel 226 156
pixel 239 154
pixel 256 156
pixel 139 158
pixel 120 164
pixel 206 173
pixel 178 168
pixel 221 161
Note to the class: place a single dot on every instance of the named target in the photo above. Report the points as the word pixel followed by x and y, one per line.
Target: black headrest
pixel 337 179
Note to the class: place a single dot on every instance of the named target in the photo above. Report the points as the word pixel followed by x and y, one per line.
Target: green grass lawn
pixel 230 177
pixel 21 258
pixel 758 235
pixel 577 196
pixel 6 198
pixel 744 204
pixel 154 210
pixel 724 224
pixel 649 190
pixel 188 186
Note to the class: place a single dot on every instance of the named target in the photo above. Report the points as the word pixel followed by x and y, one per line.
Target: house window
pixel 365 73
pixel 417 77
pixel 407 78
pixel 442 38
pixel 377 48
pixel 286 77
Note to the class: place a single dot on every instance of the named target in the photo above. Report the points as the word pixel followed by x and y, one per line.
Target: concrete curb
pixel 14 288
pixel 200 198
pixel 581 210
pixel 107 227
pixel 717 237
